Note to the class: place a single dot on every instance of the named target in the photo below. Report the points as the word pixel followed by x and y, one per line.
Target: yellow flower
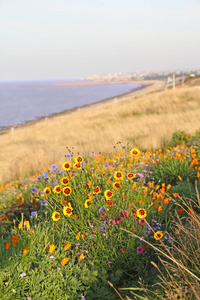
pixel 64 261
pixel 135 151
pixel 52 248
pixel 78 235
pixel 67 210
pixel 108 194
pixel 67 246
pixel 77 165
pixel 158 235
pixel 27 224
pixel 79 159
pixel 55 216
pixel 64 181
pixel 57 189
pixel 20 225
pixel 116 185
pixel 47 191
pixel 96 190
pixel 66 166
pixel 141 213
pixel 118 175
pixel 67 191
pixel 87 203
pixel 130 176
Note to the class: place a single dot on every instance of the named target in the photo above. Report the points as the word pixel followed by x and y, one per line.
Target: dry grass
pixel 148 121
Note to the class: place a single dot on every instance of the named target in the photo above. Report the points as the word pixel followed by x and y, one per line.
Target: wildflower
pixel 168 186
pixel 55 181
pixel 33 213
pixel 96 190
pixel 68 155
pixel 101 210
pixel 34 190
pixel 20 225
pixel 78 235
pixel 180 210
pixel 67 210
pixel 47 191
pixel 64 181
pixel 175 195
pixel 67 246
pixel 159 208
pixel 25 251
pixel 82 298
pixel 130 176
pixel 145 247
pixel 81 256
pixel 38 178
pixel 142 221
pixel 31 232
pixel 141 213
pixel 64 261
pixel 135 151
pixel 27 224
pixel 8 244
pixel 108 194
pixel 158 235
pixel 57 189
pixel 151 184
pixel 87 203
pixel 43 203
pixel 61 172
pixel 116 185
pixel 67 191
pixel 123 250
pixel 55 216
pixel 109 262
pixel 51 257
pixel 22 275
pixel 53 166
pixel 118 175
pixel 140 250
pixel 118 220
pixel 79 159
pixel 106 165
pixel 66 166
pixel 52 248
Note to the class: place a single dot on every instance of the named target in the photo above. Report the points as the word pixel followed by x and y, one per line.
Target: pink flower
pixel 112 222
pixel 118 220
pixel 142 221
pixel 140 250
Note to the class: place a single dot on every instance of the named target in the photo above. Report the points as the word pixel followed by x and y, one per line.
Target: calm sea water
pixel 26 100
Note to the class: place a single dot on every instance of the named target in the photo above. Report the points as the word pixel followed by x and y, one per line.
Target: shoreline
pixel 144 89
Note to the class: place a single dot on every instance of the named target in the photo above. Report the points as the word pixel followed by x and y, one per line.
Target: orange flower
pixel 166 201
pixel 81 256
pixel 67 246
pixel 8 245
pixel 116 185
pixel 179 177
pixel 168 186
pixel 64 261
pixel 31 232
pixel 25 251
pixel 52 248
pixel 157 187
pixel 159 208
pixel 175 195
pixel 151 184
pixel 78 235
pixel 180 210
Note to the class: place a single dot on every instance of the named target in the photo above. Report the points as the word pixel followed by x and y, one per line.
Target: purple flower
pixel 22 275
pixel 109 262
pixel 55 181
pixel 62 172
pixel 53 166
pixel 33 214
pixel 38 178
pixel 82 298
pixel 34 190
pixel 51 257
pixel 68 155
pixel 44 174
pixel 43 203
pixel 106 165
pixel 101 210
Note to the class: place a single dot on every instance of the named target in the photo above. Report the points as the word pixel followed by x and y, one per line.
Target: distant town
pixel 162 75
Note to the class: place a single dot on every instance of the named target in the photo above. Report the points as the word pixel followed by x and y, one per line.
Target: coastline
pixel 146 87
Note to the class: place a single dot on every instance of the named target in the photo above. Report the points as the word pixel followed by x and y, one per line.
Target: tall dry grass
pixel 148 121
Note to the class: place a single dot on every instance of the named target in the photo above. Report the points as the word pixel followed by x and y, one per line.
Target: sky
pixel 79 38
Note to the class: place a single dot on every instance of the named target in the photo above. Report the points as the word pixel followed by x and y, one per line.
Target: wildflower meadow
pixel 117 225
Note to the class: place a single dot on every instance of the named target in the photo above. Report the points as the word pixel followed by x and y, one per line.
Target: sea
pixel 22 101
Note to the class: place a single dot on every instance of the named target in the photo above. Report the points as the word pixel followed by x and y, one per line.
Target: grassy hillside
pixel 148 121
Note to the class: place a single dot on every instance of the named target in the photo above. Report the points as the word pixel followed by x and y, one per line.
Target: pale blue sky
pixel 77 38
